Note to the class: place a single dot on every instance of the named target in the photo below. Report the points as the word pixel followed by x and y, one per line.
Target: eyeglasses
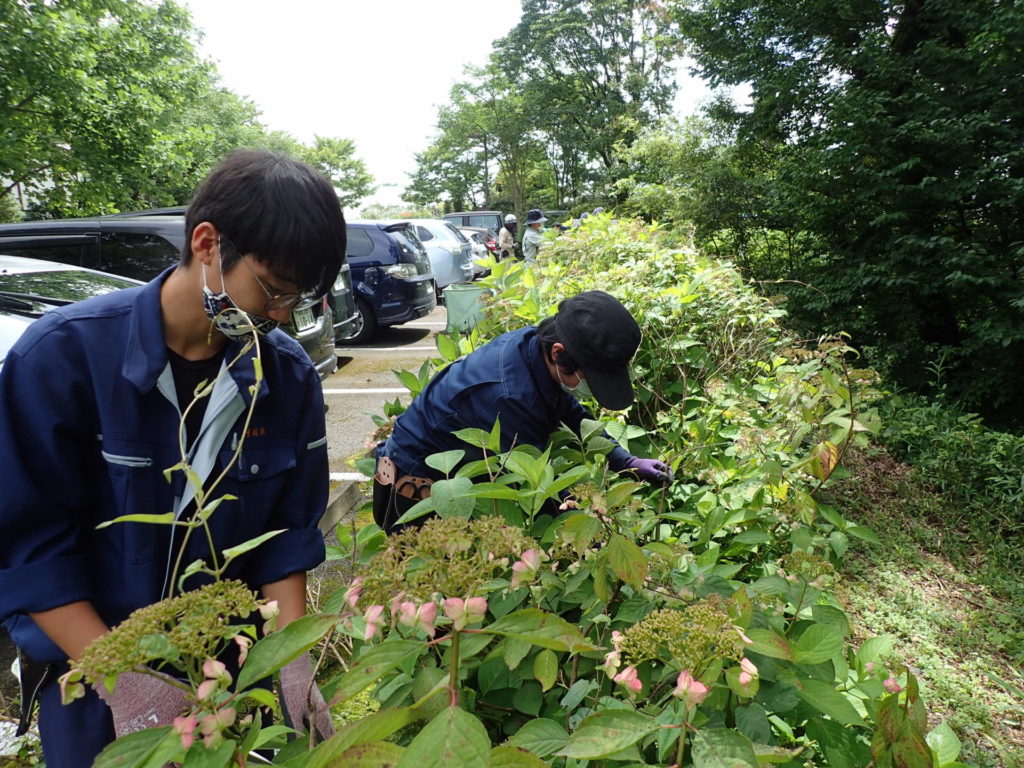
pixel 275 301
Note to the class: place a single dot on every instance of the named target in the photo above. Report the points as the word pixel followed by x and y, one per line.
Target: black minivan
pixel 142 245
pixel 391 276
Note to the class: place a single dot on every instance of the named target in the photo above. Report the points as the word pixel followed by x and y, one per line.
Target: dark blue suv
pixel 390 276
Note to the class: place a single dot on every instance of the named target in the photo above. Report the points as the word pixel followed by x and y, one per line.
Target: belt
pixel 409 486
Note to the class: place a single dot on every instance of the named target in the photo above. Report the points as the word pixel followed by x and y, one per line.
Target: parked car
pixel 485 246
pixel 31 287
pixel 492 220
pixel 390 274
pixel 140 245
pixel 450 254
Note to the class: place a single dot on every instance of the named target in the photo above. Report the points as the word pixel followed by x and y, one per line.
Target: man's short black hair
pixel 547 336
pixel 282 211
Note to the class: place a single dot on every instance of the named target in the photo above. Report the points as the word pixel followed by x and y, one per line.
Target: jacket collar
pixel 146 354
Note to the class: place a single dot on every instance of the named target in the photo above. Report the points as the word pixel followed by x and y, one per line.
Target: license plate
pixel 302 318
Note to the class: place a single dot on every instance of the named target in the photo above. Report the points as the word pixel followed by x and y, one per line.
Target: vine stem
pixel 453 673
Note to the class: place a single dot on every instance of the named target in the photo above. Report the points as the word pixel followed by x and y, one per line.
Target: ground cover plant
pixel 696 625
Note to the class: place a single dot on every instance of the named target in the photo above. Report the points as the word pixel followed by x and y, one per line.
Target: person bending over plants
pixel 91 404
pixel 529 380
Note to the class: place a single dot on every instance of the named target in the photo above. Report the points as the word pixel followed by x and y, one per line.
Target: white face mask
pixel 581 391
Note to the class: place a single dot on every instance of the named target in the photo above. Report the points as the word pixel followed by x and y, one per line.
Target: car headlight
pixel 401 271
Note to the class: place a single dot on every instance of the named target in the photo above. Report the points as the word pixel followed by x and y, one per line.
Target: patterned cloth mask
pixel 227 318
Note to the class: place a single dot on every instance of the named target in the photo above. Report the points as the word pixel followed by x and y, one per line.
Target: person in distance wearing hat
pixel 532 237
pixel 528 379
pixel 507 237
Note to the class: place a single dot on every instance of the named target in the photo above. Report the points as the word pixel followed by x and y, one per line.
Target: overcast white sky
pixel 370 70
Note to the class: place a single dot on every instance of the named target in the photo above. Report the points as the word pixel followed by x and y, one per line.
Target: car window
pixel 138 255
pixel 68 285
pixel 481 221
pixel 358 242
pixel 406 240
pixel 79 251
pixel 424 233
pixel 455 233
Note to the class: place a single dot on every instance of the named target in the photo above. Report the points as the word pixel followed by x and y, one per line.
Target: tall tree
pixel 594 72
pixel 336 159
pixel 898 127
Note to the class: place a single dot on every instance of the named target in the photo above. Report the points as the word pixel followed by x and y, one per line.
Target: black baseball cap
pixel 600 335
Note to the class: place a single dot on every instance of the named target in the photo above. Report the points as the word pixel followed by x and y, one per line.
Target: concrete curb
pixel 342 500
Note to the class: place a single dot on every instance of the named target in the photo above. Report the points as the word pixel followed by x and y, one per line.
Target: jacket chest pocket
pixel 257 479
pixel 138 488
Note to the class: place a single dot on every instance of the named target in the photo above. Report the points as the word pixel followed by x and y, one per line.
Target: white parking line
pixel 368 391
pixel 385 349
pixel 427 324
pixel 340 477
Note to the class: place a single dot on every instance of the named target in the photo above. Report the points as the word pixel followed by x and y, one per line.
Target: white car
pixel 31 287
pixel 450 254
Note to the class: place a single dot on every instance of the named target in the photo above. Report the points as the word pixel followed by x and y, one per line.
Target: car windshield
pixel 406 240
pixel 455 233
pixel 62 285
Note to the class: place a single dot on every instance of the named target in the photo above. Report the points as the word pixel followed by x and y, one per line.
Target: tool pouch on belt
pixel 416 488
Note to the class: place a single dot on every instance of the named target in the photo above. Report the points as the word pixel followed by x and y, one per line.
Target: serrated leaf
pixel 627 561
pixel 370 667
pixel 769 643
pixel 541 736
pixel 607 732
pixel 153 746
pixel 826 699
pixel 513 757
pixel 722 748
pixel 818 643
pixel 579 531
pixel 453 739
pixel 621 493
pixel 272 652
pixel 545 668
pixel 371 728
pixel 372 754
pixel 546 630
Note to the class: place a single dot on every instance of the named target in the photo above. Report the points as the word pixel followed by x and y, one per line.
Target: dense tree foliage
pixel 107 106
pixel 538 126
pixel 889 136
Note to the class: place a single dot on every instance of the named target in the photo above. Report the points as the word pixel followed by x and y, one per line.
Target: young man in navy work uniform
pixel 527 379
pixel 90 403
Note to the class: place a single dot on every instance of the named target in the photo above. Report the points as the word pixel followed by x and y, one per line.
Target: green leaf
pixel 450 497
pixel 165 518
pixel 453 739
pixel 528 698
pixel 627 561
pixel 514 651
pixel 272 652
pixel 371 728
pixel 513 757
pixel 240 549
pixel 545 668
pixel 865 534
pixel 449 349
pixel 409 380
pixel 544 629
pixel 577 693
pixel 588 428
pixel 370 667
pixel 152 748
pixel 478 438
pixel 199 756
pixel 818 643
pixel 444 462
pixel 944 743
pixel 419 509
pixel 768 643
pixel 722 748
pixel 579 531
pixel 371 754
pixel 824 698
pixel 603 734
pixel 542 736
pixel 621 493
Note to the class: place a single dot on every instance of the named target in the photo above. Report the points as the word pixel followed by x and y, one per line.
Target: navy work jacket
pixel 507 380
pixel 89 421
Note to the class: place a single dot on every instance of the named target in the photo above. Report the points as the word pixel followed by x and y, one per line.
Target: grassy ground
pixel 925 586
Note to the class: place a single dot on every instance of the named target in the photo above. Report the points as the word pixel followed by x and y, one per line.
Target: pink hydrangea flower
pixel 891 685
pixel 352 593
pixel 215 670
pixel 244 644
pixel 691 691
pixel 372 617
pixel 628 679
pixel 525 568
pixel 185 727
pixel 747 671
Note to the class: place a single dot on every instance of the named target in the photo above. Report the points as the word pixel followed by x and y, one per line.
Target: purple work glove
pixel 650 469
pixel 302 701
pixel 142 701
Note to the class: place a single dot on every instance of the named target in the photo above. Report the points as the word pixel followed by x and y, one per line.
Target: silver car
pixel 450 254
